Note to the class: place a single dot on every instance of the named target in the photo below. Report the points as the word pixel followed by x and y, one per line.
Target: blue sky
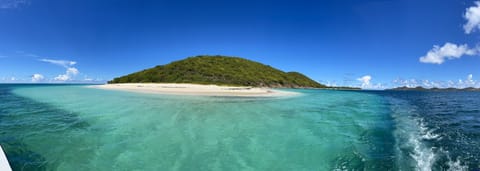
pixel 372 44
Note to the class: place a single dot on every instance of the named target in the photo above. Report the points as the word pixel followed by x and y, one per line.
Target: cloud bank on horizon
pixel 366 82
pixel 460 83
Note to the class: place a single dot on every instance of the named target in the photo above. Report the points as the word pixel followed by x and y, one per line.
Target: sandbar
pixel 196 89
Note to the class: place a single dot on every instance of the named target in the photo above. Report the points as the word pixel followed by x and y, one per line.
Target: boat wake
pixel 415 142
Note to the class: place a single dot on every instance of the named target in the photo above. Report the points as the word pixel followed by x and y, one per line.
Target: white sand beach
pixel 196 89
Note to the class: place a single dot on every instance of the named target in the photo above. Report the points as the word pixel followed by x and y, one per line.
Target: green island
pixel 220 70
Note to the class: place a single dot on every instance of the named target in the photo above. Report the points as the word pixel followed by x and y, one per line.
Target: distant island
pixel 221 70
pixel 420 88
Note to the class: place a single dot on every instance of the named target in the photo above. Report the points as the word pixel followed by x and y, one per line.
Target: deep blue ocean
pixel 74 127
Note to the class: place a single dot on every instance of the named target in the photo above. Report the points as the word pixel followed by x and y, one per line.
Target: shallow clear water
pixel 47 127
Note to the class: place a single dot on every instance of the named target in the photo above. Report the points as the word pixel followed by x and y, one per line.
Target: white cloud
pixel 63 63
pixel 450 83
pixel 11 4
pixel 62 77
pixel 329 83
pixel 408 82
pixel 427 83
pixel 438 54
pixel 472 15
pixel 469 82
pixel 365 81
pixel 13 79
pixel 72 71
pixel 69 73
pixel 378 86
pixel 37 77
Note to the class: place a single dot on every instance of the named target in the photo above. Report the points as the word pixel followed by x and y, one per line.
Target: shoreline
pixel 196 89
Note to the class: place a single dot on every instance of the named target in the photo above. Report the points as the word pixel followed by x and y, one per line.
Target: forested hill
pixel 220 70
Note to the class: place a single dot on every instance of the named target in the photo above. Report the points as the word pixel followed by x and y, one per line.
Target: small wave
pixel 423 156
pixel 456 165
pixel 426 133
pixel 429 135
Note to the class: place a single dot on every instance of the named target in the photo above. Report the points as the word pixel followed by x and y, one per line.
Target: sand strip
pixel 196 89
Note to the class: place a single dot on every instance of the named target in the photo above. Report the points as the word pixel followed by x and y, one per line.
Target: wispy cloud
pixel 63 63
pixel 25 54
pixel 438 54
pixel 472 15
pixel 12 4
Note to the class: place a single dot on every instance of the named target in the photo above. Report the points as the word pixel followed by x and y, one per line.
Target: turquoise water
pixel 65 127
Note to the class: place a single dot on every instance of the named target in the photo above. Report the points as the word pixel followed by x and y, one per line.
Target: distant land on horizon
pixel 221 70
pixel 420 88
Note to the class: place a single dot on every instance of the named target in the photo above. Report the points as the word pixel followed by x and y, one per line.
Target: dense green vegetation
pixel 220 70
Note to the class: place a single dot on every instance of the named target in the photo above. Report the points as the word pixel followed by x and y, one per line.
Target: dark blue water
pixel 438 130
